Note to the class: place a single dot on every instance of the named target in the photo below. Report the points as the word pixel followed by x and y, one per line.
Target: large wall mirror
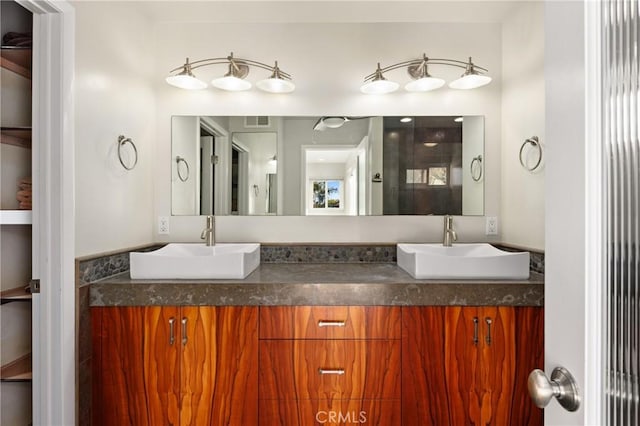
pixel 264 165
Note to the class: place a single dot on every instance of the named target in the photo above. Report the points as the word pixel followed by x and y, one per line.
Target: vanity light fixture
pixel 406 120
pixel 473 77
pixel 234 80
pixel 458 119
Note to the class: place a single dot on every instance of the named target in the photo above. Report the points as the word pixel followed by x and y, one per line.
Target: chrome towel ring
pixel 533 140
pixel 121 141
pixel 178 161
pixel 478 176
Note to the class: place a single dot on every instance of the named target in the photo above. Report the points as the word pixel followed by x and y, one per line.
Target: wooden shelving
pixel 16 217
pixel 19 294
pixel 17 371
pixel 18 136
pixel 17 60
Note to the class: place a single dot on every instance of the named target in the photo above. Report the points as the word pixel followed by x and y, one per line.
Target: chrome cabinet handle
pixel 488 337
pixel 475 331
pixel 184 331
pixel 336 371
pixel 172 336
pixel 325 323
pixel 562 386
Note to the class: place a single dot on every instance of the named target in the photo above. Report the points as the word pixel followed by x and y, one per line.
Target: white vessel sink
pixel 196 261
pixel 462 261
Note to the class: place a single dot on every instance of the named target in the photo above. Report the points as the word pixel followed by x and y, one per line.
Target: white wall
pixel 114 95
pixel 523 115
pixel 305 51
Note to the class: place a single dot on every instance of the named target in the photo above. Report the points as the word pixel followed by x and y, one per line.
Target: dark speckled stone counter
pixel 318 284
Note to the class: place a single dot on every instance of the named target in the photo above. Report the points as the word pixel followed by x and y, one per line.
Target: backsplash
pixel 327 253
pixel 103 266
pixel 98 267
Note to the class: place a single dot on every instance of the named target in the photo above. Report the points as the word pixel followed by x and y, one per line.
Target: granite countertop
pixel 319 284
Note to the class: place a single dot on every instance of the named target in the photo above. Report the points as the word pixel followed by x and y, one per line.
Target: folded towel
pixel 24 195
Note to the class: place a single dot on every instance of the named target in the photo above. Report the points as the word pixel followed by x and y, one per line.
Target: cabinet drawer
pixel 330 322
pixel 335 412
pixel 329 369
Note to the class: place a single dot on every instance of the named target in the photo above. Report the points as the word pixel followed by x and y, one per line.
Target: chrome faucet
pixel 449 234
pixel 209 233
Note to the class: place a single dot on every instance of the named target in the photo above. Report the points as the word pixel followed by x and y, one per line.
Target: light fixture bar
pixel 278 82
pixel 473 77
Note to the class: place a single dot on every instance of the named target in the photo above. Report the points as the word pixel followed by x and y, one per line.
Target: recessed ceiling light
pixel 406 120
pixel 430 144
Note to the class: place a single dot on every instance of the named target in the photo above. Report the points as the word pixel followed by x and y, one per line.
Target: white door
pixel 592 192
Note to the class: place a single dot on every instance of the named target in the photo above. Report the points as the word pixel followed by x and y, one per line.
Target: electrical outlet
pixel 491 225
pixel 163 225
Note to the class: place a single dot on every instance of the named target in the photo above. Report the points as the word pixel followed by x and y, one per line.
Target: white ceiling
pixel 300 11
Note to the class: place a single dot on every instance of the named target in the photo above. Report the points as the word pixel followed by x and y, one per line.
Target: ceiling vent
pixel 257 121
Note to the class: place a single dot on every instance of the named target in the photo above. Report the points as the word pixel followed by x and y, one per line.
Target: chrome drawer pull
pixel 336 371
pixel 184 331
pixel 488 338
pixel 172 336
pixel 475 331
pixel 323 323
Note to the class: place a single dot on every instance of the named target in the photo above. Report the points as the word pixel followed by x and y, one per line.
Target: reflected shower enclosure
pixel 423 165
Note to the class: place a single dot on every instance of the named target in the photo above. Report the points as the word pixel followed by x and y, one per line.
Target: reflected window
pixel 437 176
pixel 433 176
pixel 327 194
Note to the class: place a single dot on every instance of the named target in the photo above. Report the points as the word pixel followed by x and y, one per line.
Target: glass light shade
pixel 470 81
pixel 184 81
pixel 424 84
pixel 231 83
pixel 276 85
pixel 379 87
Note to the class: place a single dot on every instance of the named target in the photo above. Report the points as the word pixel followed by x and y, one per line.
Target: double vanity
pixel 333 343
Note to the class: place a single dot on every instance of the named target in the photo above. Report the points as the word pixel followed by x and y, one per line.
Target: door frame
pixel 53 236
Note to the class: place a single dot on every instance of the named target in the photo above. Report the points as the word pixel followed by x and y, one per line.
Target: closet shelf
pixel 18 136
pixel 17 371
pixel 16 217
pixel 15 295
pixel 17 60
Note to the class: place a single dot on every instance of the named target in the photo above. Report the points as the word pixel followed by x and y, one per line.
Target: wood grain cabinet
pixel 469 365
pixel 175 365
pixel 329 365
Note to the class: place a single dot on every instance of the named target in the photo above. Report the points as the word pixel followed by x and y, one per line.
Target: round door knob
pixel 562 386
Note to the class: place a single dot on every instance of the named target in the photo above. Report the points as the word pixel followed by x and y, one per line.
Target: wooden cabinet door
pixel 219 373
pixel 136 366
pixel 513 342
pixel 440 366
pixel 469 365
